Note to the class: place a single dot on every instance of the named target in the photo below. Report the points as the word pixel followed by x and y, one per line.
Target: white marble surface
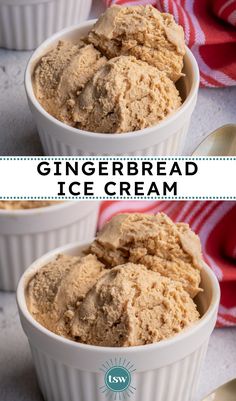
pixel 18 134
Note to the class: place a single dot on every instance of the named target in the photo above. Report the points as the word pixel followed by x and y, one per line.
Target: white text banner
pixel 117 178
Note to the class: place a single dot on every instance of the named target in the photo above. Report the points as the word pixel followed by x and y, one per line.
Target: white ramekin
pixel 25 235
pixel 165 371
pixel 166 138
pixel 24 24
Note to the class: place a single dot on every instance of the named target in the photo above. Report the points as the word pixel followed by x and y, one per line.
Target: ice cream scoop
pixel 125 95
pixel 61 74
pixel 56 290
pixel 142 32
pixel 171 249
pixel 131 305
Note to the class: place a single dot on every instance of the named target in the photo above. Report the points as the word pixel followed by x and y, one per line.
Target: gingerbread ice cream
pixel 131 305
pixel 56 290
pixel 62 73
pixel 125 95
pixel 120 77
pixel 171 249
pixel 142 32
pixel 135 286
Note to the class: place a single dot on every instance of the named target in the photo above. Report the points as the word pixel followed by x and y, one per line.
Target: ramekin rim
pixel 21 302
pixel 122 136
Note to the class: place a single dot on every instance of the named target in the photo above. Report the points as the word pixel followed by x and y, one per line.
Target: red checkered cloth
pixel 214 222
pixel 210 33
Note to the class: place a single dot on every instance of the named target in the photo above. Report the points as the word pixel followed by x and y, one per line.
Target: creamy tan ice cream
pixel 135 286
pixel 77 298
pixel 134 89
pixel 142 32
pixel 131 305
pixel 125 95
pixel 17 205
pixel 55 292
pixel 171 249
pixel 61 74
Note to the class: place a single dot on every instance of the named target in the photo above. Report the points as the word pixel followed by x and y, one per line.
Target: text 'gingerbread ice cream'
pixel 134 285
pixel 120 78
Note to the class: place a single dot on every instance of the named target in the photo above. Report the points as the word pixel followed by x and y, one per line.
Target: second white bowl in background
pixel 24 24
pixel 26 235
pixel 166 138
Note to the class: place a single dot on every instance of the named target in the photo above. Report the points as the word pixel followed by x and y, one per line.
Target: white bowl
pixel 165 371
pixel 24 24
pixel 166 138
pixel 26 235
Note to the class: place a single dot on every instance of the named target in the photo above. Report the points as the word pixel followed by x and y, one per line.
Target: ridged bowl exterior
pixel 175 382
pixel 164 371
pixel 164 139
pixel 25 25
pixel 172 146
pixel 19 249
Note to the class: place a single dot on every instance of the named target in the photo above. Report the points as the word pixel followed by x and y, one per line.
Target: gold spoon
pixel 221 142
pixel 227 392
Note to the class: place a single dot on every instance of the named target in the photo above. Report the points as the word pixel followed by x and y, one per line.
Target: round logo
pixel 117 379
